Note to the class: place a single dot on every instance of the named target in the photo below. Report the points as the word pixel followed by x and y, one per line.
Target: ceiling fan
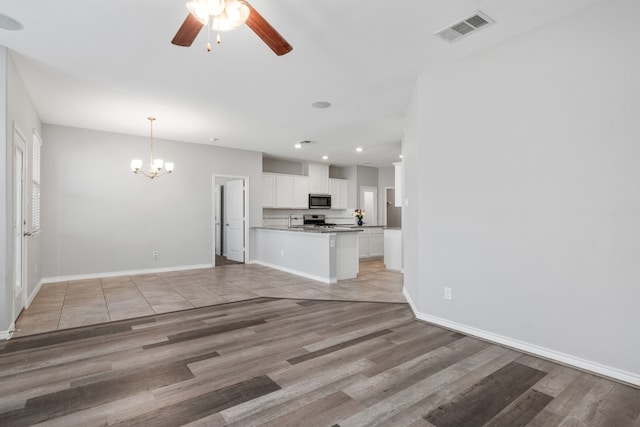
pixel 224 15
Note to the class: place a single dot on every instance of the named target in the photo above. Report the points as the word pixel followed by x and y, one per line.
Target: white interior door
pixel 19 221
pixel 217 229
pixel 369 202
pixel 234 222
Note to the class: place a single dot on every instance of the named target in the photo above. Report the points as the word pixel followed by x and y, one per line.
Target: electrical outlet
pixel 447 293
pixel 155 254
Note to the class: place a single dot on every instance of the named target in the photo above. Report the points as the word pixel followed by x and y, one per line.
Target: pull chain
pixel 218 37
pixel 208 37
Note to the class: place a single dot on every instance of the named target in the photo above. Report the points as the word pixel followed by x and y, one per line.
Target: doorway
pixel 230 219
pixel 369 202
pixel 394 213
pixel 19 221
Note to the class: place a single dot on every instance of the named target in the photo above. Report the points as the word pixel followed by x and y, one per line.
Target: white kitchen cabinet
pixel 268 190
pixel 318 178
pixel 376 242
pixel 363 245
pixel 285 191
pixel 371 242
pixel 300 192
pixel 338 188
pixel 393 249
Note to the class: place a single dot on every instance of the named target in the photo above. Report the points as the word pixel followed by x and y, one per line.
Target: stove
pixel 316 221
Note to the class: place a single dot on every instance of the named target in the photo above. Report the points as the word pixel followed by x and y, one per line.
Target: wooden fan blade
pixel 267 33
pixel 187 32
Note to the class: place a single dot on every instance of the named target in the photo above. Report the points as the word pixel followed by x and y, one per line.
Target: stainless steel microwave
pixel 319 201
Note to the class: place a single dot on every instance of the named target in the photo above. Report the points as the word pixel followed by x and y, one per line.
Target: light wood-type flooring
pixel 293 361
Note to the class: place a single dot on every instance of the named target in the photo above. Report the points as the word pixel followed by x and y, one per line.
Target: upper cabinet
pixel 268 190
pixel 285 191
pixel 300 192
pixel 338 188
pixel 318 178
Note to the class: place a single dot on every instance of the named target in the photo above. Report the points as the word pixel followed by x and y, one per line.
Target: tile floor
pixel 79 303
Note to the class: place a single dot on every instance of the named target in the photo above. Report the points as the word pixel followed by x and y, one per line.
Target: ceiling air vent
pixel 464 27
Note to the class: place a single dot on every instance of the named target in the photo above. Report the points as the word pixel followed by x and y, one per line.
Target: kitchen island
pixel 323 254
pixel 393 258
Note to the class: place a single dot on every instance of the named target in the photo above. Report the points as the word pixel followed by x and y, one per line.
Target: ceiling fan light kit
pixel 223 15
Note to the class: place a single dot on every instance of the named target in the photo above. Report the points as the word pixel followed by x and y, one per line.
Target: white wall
pixel 350 173
pixel 6 291
pixel 17 109
pixel 99 217
pixel 290 167
pixel 22 111
pixel 525 198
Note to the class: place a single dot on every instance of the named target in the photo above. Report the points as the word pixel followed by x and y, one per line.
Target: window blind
pixel 35 185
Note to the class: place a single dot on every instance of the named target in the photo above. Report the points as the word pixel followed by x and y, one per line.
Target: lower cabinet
pixel 371 242
pixel 393 249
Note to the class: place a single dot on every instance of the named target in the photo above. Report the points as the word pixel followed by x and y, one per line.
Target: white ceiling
pixel 107 65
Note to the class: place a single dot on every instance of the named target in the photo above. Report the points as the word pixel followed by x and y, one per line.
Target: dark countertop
pixel 299 229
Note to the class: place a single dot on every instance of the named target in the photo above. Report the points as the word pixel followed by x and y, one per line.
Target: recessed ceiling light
pixel 8 23
pixel 298 145
pixel 321 104
pixel 325 157
pixel 400 156
pixel 359 149
pixel 213 139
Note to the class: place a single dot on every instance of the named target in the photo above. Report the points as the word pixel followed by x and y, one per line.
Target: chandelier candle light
pixel 155 165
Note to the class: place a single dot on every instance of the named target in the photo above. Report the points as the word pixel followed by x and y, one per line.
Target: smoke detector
pixel 464 27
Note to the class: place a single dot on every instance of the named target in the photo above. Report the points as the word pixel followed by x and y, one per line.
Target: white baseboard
pixel 31 297
pixel 123 273
pixel 546 353
pixel 297 273
pixel 5 335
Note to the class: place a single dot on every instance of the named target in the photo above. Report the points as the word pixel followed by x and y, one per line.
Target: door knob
pixel 27 234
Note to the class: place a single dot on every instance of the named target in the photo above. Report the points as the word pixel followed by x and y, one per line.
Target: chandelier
pixel 155 165
pixel 223 14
